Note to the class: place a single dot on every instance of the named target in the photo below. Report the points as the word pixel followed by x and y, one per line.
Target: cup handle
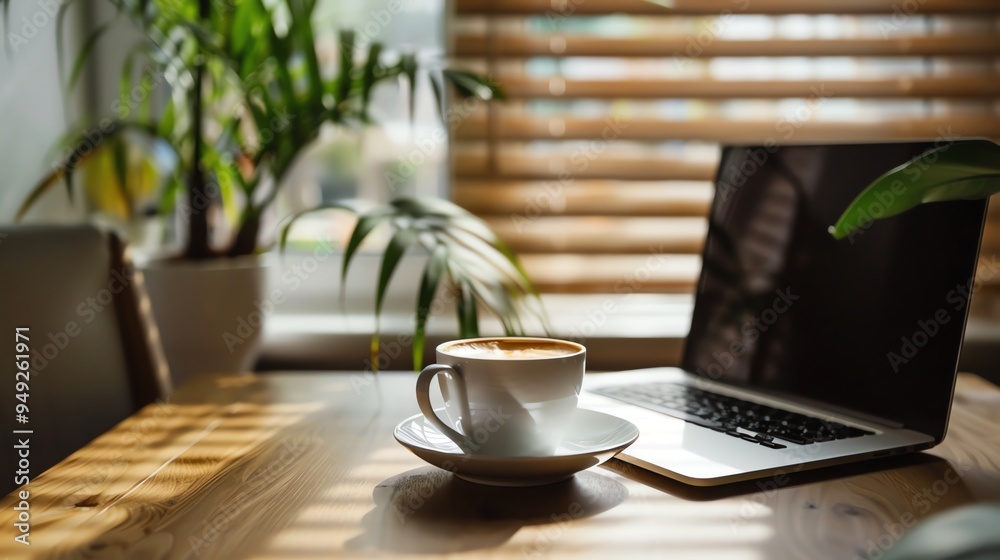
pixel 424 401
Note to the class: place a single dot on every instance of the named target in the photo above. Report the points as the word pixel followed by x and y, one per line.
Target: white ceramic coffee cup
pixel 511 406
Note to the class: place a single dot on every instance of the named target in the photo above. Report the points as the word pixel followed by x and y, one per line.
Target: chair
pixel 95 356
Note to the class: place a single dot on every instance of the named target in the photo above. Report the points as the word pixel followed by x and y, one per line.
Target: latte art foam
pixel 510 350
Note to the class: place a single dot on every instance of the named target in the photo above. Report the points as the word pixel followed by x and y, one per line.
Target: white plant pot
pixel 208 313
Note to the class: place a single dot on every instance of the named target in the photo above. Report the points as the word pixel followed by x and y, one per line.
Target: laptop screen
pixel 870 324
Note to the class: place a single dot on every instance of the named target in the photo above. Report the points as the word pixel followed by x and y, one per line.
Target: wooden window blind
pixel 605 150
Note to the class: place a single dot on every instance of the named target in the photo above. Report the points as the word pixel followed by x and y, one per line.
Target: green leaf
pixel 490 286
pixel 221 167
pixel 282 51
pixel 38 190
pixel 468 318
pixel 261 116
pixel 283 240
pixel 60 32
pixel 400 242
pixel 959 171
pixel 469 84
pixel 421 207
pixel 81 150
pixel 168 120
pixel 144 10
pixel 428 287
pixel 366 223
pixel 523 277
pixel 491 263
pixel 253 59
pixel 368 78
pixel 302 30
pixel 125 81
pixel 408 65
pixel 205 36
pixel 438 90
pixel 343 89
pixel 81 59
pixel 239 33
pixel 393 253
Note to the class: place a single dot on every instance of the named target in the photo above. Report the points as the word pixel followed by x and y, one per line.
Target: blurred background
pixel 596 168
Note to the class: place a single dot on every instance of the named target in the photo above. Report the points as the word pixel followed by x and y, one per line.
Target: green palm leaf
pixel 344 76
pixel 368 78
pixel 469 84
pixel 400 242
pixel 408 67
pixel 366 223
pixel 468 315
pixel 81 58
pixel 302 31
pixel 436 265
pixel 290 221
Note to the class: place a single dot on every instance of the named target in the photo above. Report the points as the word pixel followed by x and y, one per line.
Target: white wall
pixel 32 117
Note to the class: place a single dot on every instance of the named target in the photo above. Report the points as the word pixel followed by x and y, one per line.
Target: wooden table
pixel 302 466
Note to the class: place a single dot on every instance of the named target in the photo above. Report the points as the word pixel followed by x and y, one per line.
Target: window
pixel 605 151
pixel 603 155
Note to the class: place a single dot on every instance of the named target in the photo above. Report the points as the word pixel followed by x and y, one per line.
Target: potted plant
pixel 245 101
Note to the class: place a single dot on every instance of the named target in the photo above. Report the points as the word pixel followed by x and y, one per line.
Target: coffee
pixel 510 349
pixel 504 396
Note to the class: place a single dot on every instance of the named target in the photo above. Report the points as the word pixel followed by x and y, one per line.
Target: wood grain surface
pixel 304 466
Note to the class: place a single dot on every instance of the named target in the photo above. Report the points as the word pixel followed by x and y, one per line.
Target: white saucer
pixel 594 438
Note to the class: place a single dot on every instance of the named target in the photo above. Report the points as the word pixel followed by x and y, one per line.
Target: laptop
pixel 805 351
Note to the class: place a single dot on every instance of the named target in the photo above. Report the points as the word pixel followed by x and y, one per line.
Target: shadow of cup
pixel 429 510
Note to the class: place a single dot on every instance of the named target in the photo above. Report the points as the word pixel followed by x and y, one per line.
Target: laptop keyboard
pixel 746 420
